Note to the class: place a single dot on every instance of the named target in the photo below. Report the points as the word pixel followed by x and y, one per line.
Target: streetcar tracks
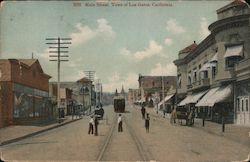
pixel 107 140
pixel 144 153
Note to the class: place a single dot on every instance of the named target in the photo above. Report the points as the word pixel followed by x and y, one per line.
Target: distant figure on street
pixel 147 123
pixel 173 116
pixel 96 122
pixel 91 125
pixel 120 123
pixel 143 111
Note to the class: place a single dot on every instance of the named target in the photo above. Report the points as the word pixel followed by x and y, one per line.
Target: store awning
pixel 214 58
pixel 234 51
pixel 192 98
pixel 215 95
pixel 207 99
pixel 166 99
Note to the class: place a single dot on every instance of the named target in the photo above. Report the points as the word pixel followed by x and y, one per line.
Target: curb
pixel 35 133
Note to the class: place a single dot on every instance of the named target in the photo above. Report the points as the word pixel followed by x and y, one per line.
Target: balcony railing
pixel 200 83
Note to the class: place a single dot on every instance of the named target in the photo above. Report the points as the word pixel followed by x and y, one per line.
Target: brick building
pixel 23 91
pixel 150 86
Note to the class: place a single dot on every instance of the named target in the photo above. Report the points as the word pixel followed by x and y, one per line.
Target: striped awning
pixel 166 99
pixel 193 98
pixel 215 95
pixel 234 51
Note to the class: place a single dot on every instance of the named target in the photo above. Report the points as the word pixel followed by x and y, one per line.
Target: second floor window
pixel 214 70
pixel 205 74
pixel 234 53
pixel 231 61
pixel 195 76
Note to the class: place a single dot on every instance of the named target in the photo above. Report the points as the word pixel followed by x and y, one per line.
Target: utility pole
pixel 98 92
pixel 163 95
pixel 59 54
pixel 90 76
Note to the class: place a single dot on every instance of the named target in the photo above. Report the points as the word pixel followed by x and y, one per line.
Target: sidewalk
pixel 239 134
pixel 15 133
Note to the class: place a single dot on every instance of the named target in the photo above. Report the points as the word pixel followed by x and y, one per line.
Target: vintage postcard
pixel 125 80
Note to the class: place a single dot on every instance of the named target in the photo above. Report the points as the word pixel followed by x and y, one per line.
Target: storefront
pixel 29 103
pixel 217 103
pixel 242 97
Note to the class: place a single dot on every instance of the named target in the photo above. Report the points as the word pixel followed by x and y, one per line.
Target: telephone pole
pixel 163 93
pixel 90 76
pixel 58 44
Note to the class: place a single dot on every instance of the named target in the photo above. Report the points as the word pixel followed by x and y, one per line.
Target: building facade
pixel 24 92
pixel 214 75
pixel 133 95
pixel 65 96
pixel 151 86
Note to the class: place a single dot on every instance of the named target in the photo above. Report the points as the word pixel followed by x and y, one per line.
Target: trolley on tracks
pixel 119 104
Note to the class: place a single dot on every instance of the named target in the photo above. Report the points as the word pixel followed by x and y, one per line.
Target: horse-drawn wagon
pixel 182 113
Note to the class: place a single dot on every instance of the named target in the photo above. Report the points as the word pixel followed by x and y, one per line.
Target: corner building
pixel 214 76
pixel 24 91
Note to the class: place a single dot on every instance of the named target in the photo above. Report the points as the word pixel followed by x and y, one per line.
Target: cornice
pixel 229 22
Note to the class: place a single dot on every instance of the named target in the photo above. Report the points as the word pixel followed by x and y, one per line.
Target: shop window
pixel 246 104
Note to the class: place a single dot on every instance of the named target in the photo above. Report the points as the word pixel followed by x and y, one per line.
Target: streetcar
pixel 119 104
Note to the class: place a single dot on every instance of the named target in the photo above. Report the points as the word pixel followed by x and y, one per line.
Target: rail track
pixel 143 152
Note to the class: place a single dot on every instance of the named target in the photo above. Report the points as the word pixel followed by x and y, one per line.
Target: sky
pixel 117 42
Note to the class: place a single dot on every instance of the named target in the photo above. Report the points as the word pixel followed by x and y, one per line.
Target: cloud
pixel 173 27
pixel 153 49
pixel 116 82
pixel 44 54
pixel 168 69
pixel 168 41
pixel 105 28
pixel 85 33
pixel 75 75
pixel 125 52
pixel 204 32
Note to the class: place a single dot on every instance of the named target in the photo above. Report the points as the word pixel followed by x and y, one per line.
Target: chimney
pixel 194 42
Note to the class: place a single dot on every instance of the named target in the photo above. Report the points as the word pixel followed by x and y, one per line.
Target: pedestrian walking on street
pixel 120 123
pixel 91 125
pixel 147 123
pixel 143 111
pixel 96 122
pixel 173 116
